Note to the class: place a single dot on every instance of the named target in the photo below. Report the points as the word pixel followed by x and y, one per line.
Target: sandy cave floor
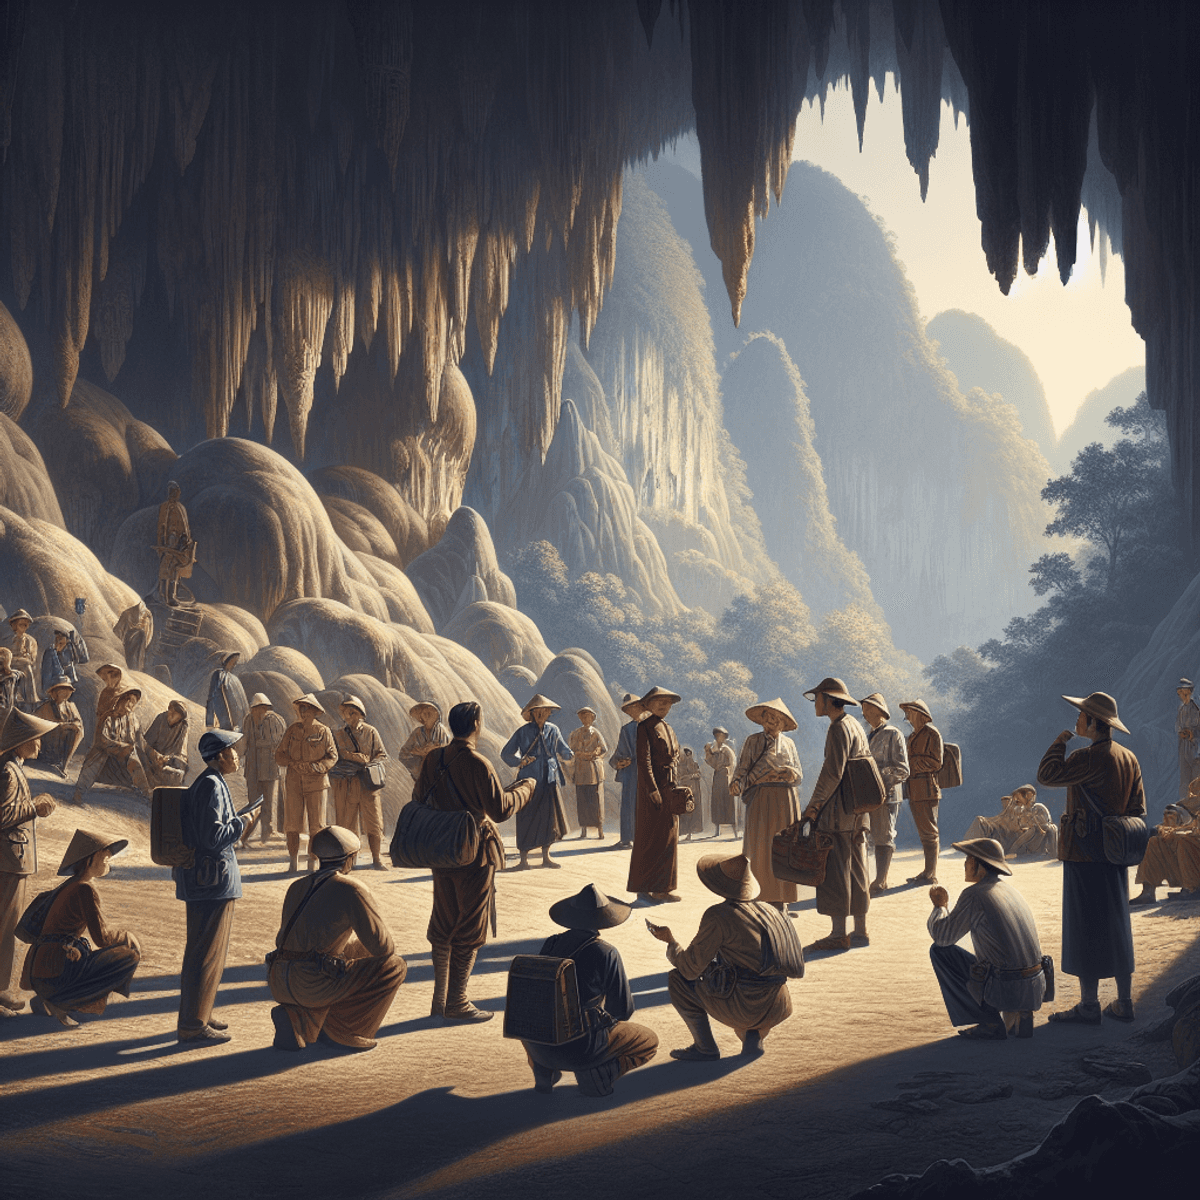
pixel 115 1106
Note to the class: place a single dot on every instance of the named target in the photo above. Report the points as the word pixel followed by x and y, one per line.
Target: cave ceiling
pixel 296 183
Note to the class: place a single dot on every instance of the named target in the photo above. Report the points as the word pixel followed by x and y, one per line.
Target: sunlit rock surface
pixel 25 486
pixel 363 504
pixel 501 637
pixel 16 368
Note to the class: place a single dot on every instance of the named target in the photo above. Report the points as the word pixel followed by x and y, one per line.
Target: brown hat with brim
pixel 129 691
pixel 658 693
pixel 728 876
pixel 631 705
pixel 590 908
pixel 309 699
pixel 755 713
pixel 876 699
pixel 21 727
pixel 1099 705
pixel 334 842
pixel 917 706
pixel 84 844
pixel 987 850
pixel 835 689
pixel 108 667
pixel 538 701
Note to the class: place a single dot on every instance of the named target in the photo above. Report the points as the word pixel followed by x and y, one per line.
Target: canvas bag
pixel 862 786
pixel 33 919
pixel 950 776
pixel 429 837
pixel 167 847
pixel 1114 838
pixel 799 852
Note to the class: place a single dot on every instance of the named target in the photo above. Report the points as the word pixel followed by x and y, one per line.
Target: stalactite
pixel 303 303
pixel 920 48
pixel 383 30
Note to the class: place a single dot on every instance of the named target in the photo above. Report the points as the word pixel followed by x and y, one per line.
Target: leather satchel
pixel 862 787
pixel 799 853
pixel 374 775
pixel 678 799
pixel 1122 840
pixel 950 776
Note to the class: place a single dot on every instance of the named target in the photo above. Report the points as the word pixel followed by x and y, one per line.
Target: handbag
pixel 430 837
pixel 862 786
pixel 678 799
pixel 950 776
pixel 799 852
pixel 374 775
pixel 1122 839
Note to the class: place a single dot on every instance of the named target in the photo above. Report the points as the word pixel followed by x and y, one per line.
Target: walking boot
pixel 441 979
pixel 883 860
pixel 929 875
pixel 704 1046
pixel 458 1007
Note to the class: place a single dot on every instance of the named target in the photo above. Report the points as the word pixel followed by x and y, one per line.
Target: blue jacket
pixel 547 748
pixel 211 826
pixel 626 748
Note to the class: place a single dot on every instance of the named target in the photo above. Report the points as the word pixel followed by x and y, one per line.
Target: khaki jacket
pixel 307 757
pixel 258 745
pixel 925 753
pixel 586 742
pixel 18 845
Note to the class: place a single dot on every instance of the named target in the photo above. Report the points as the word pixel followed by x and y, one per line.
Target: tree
pixel 1054 572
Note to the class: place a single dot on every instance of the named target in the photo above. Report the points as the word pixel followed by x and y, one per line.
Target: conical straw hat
pixel 538 701
pixel 21 727
pixel 755 712
pixel 84 844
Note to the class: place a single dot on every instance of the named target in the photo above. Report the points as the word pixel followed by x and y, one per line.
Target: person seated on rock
pixel 24 657
pixel 430 734
pixel 166 746
pixel 1191 802
pixel 358 744
pixel 69 973
pixel 737 967
pixel 612 1044
pixel 335 970
pixel 226 707
pixel 997 989
pixel 58 748
pixel 60 659
pixel 13 688
pixel 114 684
pixel 1012 819
pixel 1039 838
pixel 115 757
pixel 1163 862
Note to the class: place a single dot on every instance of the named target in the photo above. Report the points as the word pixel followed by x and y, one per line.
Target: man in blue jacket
pixel 208 887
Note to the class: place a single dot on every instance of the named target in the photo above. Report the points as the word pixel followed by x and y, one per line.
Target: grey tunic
pixel 1003 933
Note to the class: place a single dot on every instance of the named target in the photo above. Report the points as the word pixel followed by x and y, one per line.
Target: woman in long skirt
pixel 769 774
pixel 719 755
pixel 688 774
pixel 535 749
pixel 66 971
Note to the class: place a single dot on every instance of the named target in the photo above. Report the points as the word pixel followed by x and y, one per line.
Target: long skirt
pixel 693 822
pixel 654 863
pixel 770 809
pixel 543 820
pixel 724 806
pixel 588 805
pixel 85 986
pixel 1097 937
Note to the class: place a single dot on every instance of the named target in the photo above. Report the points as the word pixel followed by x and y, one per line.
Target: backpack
pixel 950 776
pixel 33 919
pixel 542 1002
pixel 167 845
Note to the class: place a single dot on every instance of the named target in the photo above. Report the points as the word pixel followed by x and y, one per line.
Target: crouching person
pixel 612 1045
pixel 738 964
pixel 334 971
pixel 997 989
pixel 66 971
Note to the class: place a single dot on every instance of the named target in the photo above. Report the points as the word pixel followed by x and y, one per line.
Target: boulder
pixel 500 636
pixel 25 486
pixel 358 492
pixel 290 663
pixel 16 368
pixel 404 605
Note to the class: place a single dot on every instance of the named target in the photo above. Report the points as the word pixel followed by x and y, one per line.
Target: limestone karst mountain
pixel 936 492
pixel 980 358
pixel 1089 424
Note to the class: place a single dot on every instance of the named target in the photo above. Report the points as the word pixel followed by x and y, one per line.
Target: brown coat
pixel 925 753
pixel 1113 777
pixel 18 845
pixel 307 757
pixel 653 865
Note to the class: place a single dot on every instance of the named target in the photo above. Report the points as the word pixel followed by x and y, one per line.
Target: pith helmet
pixel 309 699
pixel 631 706
pixel 876 699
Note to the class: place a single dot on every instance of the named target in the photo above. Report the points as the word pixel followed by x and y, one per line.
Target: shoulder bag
pixel 862 786
pixel 33 919
pixel 1122 840
pixel 430 837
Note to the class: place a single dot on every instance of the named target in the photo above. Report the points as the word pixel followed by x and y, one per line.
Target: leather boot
pixel 458 1007
pixel 883 860
pixel 704 1046
pixel 441 979
pixel 931 861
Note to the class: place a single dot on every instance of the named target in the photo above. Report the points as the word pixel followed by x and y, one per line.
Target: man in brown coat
pixel 262 731
pixel 1097 941
pixel 308 751
pixel 925 754
pixel 454 778
pixel 359 744
pixel 653 865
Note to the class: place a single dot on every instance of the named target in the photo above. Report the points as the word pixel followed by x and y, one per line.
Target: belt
pixel 1013 973
pixel 63 939
pixel 312 956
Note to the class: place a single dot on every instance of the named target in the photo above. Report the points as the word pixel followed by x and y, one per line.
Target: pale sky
pixel 1077 337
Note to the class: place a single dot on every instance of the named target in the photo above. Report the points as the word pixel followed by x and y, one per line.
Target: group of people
pixel 1022 827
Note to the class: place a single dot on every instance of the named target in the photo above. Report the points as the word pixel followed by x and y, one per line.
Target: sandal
pixel 1079 1015
pixel 1120 1010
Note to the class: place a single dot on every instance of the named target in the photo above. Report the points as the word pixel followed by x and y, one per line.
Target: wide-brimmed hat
pixel 987 850
pixel 84 844
pixel 538 701
pixel 730 877
pixel 835 689
pixel 109 667
pixel 334 842
pixel 631 705
pixel 230 654
pixel 1099 705
pixel 917 706
pixel 21 727
pixel 1025 787
pixel 876 698
pixel 259 699
pixel 20 615
pixel 60 681
pixel 720 729
pixel 354 702
pixel 420 704
pixel 214 742
pixel 309 699
pixel 659 693
pixel 590 908
pixel 585 709
pixel 755 713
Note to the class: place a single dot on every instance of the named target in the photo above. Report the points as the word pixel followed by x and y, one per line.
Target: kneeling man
pixel 997 989
pixel 738 964
pixel 332 986
pixel 613 1044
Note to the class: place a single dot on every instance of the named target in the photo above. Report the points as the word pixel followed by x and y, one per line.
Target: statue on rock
pixel 175 548
pixel 135 628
